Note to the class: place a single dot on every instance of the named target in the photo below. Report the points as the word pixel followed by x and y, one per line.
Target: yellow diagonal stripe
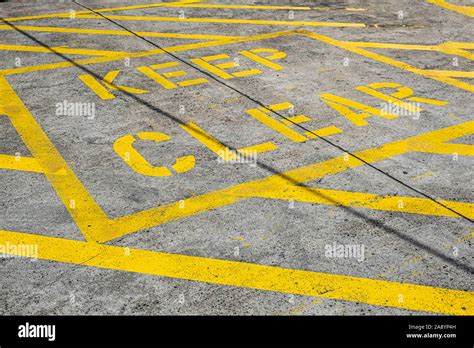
pixel 88 31
pixel 111 9
pixel 413 205
pixel 464 10
pixel 222 21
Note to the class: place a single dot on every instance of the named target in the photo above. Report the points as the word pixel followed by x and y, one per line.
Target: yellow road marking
pixel 267 61
pixel 323 132
pixel 258 148
pixel 133 158
pixel 355 48
pixel 183 4
pixel 211 143
pixel 453 48
pixel 221 20
pixel 26 164
pixel 254 276
pixel 62 50
pixel 200 203
pixel 228 272
pixel 450 73
pixel 366 200
pixel 41 148
pixel 261 115
pixel 192 82
pixel 395 46
pixel 107 81
pixel 133 7
pixel 295 119
pixel 95 86
pixel 243 7
pixel 96 226
pixel 346 108
pixel 464 10
pixel 463 239
pixel 148 53
pixel 117 32
pixel 422 176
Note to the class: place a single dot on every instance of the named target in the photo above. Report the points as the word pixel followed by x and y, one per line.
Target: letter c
pixel 124 148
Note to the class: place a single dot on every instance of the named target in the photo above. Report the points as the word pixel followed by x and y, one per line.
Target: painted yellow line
pixel 395 46
pixel 430 142
pixel 184 4
pixel 400 204
pixel 103 229
pixel 211 143
pixel 450 73
pixel 152 52
pixel 61 65
pixel 323 132
pixel 353 47
pixel 116 32
pixel 270 278
pixel 26 164
pixel 74 196
pixel 464 10
pixel 133 7
pixel 243 7
pixel 459 44
pixel 224 21
pixel 258 148
pixel 62 50
pixel 96 226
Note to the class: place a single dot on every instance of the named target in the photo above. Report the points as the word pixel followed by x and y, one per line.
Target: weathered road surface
pixel 202 157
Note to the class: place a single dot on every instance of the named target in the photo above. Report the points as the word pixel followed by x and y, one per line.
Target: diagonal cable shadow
pixel 262 105
pixel 376 223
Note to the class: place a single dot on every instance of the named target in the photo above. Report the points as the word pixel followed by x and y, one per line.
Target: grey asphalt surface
pixel 266 231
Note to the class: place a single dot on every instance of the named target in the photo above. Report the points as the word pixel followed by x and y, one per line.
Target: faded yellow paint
pixel 422 176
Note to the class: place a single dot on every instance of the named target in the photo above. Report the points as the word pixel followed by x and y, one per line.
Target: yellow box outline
pixel 383 293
